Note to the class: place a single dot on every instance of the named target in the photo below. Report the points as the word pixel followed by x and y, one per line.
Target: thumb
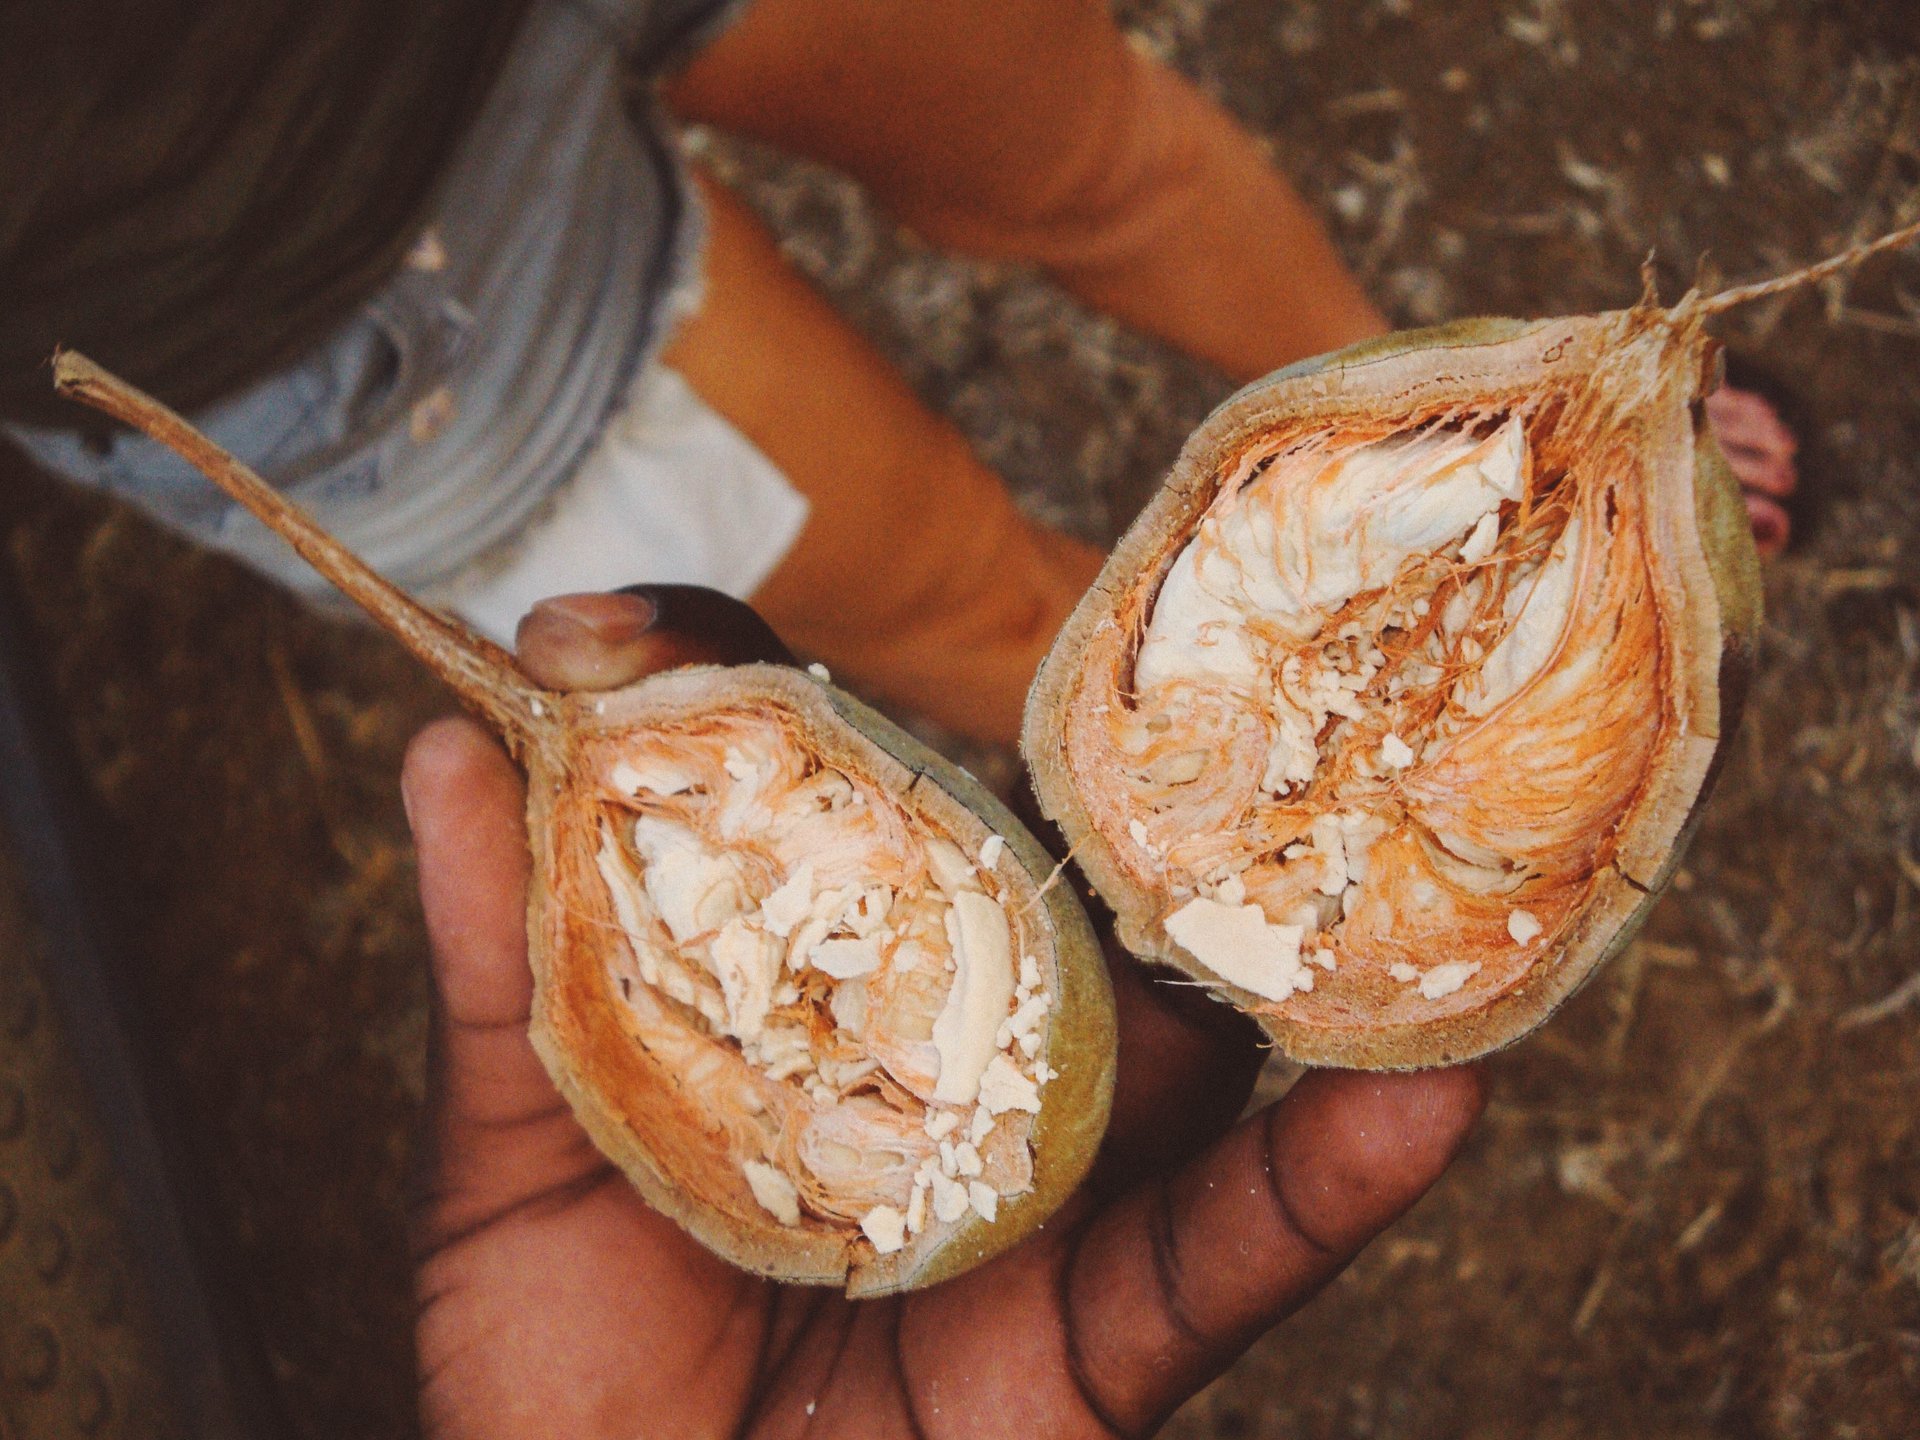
pixel 497 1130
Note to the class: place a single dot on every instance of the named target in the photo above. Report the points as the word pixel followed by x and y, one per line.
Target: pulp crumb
pixel 1403 972
pixel 1395 753
pixel 1323 957
pixel 1003 1088
pixel 990 849
pixel 941 1124
pixel 949 867
pixel 846 959
pixel 818 672
pixel 982 1125
pixel 1443 980
pixel 1241 946
pixel 949 1199
pixel 788 904
pixel 886 1227
pixel 964 1034
pixel 917 1209
pixel 1523 925
pixel 774 1191
pixel 986 1203
pixel 1480 543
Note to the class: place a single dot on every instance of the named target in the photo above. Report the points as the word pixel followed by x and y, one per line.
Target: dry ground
pixel 1694 1206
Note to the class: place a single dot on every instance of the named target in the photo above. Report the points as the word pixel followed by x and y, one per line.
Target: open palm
pixel 553 1302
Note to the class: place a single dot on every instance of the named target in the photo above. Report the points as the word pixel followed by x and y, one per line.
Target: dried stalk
pixel 480 672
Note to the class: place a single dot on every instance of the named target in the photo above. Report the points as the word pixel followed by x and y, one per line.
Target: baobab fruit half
pixel 803 980
pixel 1391 715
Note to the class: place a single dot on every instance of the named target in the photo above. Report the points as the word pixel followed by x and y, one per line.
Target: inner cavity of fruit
pixel 853 998
pixel 1368 728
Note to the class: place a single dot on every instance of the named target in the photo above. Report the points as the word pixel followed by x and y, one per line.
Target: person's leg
pixel 1031 130
pixel 915 574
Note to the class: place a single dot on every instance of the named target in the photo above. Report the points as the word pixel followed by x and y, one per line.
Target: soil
pixel 1693 1208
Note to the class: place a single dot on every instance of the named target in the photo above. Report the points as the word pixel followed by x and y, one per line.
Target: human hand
pixel 553 1302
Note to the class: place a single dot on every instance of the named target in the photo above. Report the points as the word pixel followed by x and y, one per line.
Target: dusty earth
pixel 1694 1206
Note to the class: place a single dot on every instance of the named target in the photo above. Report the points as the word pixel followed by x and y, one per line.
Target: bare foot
pixel 1760 449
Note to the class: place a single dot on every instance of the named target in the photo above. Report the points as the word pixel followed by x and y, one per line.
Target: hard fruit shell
pixel 1652 365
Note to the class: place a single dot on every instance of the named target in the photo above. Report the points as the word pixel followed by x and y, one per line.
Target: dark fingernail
pixel 726 630
pixel 608 619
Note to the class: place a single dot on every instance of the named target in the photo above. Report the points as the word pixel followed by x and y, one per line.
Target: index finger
pixel 1165 1288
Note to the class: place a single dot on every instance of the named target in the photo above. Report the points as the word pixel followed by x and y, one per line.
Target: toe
pixel 1762 473
pixel 1760 451
pixel 1746 417
pixel 1757 443
pixel 1770 525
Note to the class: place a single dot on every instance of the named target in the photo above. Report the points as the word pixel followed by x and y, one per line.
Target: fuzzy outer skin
pixel 616 1090
pixel 1707 556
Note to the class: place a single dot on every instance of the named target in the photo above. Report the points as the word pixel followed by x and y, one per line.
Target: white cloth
pixel 670 493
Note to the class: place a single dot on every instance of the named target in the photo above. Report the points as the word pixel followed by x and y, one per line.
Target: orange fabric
pixel 916 575
pixel 1031 130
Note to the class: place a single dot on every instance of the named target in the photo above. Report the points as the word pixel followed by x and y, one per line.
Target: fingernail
pixel 609 619
pixel 723 630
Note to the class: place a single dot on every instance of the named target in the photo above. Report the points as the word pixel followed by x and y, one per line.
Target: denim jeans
pixel 436 423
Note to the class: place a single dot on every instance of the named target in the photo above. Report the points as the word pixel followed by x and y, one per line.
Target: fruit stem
pixel 1845 260
pixel 480 672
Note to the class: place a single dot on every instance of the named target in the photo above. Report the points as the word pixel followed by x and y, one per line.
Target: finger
pixel 1185 1068
pixel 497 1127
pixel 1167 1286
pixel 602 641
